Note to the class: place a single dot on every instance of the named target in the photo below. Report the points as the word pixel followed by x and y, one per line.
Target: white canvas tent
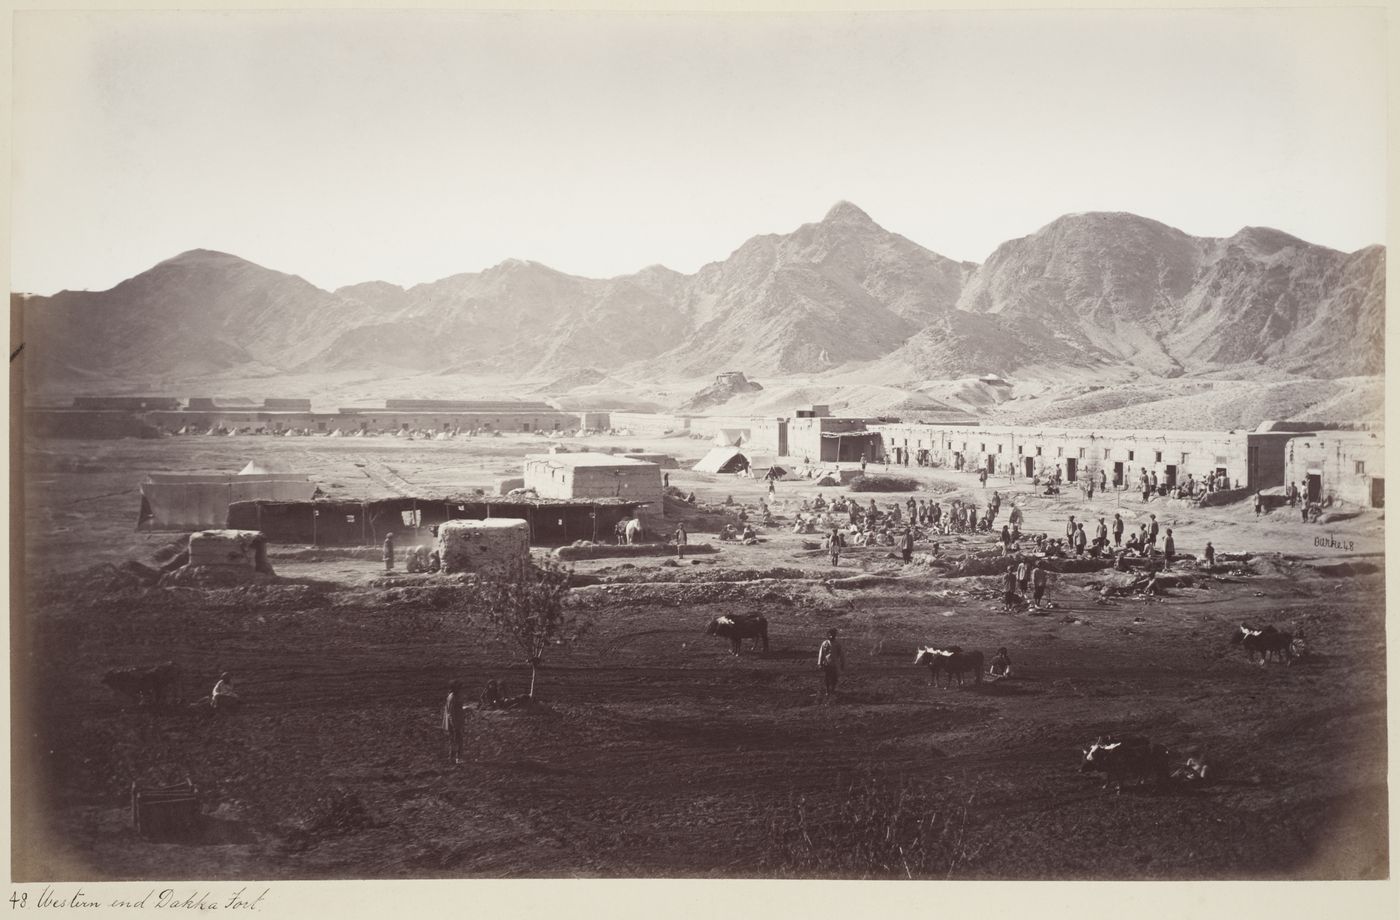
pixel 731 437
pixel 199 501
pixel 265 468
pixel 723 460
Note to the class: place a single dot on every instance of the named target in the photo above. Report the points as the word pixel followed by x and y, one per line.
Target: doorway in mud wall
pixel 1314 487
pixel 1118 473
pixel 1171 475
pixel 1377 491
pixel 1071 469
pixel 1030 467
pixel 991 466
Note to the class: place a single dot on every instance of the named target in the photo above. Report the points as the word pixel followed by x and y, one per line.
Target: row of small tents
pixel 421 434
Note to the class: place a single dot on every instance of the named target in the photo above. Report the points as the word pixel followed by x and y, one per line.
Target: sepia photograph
pixel 939 445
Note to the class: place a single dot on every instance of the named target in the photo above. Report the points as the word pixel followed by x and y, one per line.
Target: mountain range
pixel 1097 290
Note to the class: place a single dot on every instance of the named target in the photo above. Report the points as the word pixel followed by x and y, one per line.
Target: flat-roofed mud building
pixel 1349 466
pixel 1254 460
pixel 596 476
pixel 552 522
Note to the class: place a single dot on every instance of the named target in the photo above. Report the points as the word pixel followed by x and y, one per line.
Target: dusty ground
pixel 655 752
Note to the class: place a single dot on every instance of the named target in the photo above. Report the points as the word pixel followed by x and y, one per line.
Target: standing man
pixel 1070 529
pixel 1080 540
pixel 1258 504
pixel 832 661
pixel 1038 580
pixel 908 545
pixel 453 713
pixel 982 476
pixel 834 543
pixel 389 552
pixel 1210 556
pixel 1169 547
pixel 1103 480
pixel 1023 576
pixel 1152 534
pixel 1101 534
pixel 680 540
pixel 1117 530
pixel 1009 588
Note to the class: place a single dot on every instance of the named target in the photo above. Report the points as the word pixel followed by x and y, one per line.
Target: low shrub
pixel 873 828
pixel 883 484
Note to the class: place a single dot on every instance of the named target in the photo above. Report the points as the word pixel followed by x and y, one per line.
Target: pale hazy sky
pixel 347 147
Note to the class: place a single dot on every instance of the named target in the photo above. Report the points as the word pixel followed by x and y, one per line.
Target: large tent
pixel 200 501
pixel 723 460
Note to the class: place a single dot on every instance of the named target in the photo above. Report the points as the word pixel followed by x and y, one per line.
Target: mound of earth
pixel 721 391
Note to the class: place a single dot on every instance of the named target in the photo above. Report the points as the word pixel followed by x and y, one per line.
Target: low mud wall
pixel 627 550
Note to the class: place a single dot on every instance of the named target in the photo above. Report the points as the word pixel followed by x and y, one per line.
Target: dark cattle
pixel 152 686
pixel 738 627
pixel 1124 758
pixel 953 661
pixel 1264 642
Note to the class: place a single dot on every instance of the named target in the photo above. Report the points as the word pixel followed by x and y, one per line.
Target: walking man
pixel 831 659
pixel 389 552
pixel 453 713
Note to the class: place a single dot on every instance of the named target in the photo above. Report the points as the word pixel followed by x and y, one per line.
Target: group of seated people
pixel 422 559
pixel 738 533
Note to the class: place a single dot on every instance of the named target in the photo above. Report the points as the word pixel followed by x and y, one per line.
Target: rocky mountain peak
pixel 843 212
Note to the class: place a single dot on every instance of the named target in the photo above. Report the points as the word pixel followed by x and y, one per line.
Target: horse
pixel 953 660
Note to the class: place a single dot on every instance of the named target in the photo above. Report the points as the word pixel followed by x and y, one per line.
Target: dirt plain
pixel 654 752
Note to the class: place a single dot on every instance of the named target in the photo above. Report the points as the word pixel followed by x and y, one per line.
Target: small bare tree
pixel 526 612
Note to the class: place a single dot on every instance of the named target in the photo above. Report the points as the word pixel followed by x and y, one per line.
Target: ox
pixel 738 627
pixel 1122 758
pixel 150 686
pixel 952 660
pixel 1264 642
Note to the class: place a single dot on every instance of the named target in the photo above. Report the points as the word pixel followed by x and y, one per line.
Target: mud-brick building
pixel 126 403
pixel 831 440
pixel 596 476
pixel 1348 466
pixel 1254 460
